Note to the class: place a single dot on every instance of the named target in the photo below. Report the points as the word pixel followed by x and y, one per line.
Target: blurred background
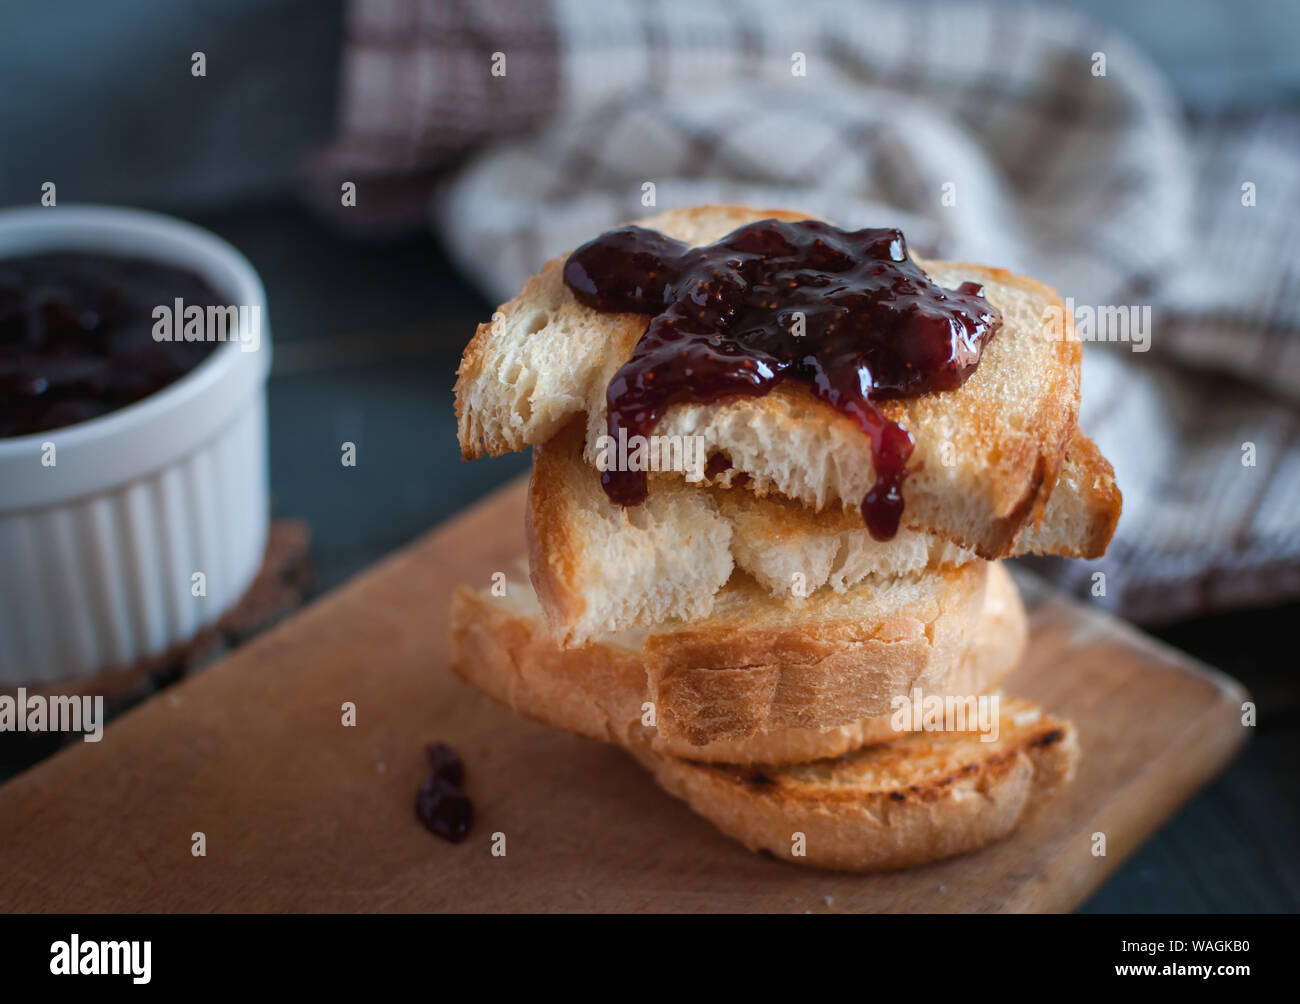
pixel 371 305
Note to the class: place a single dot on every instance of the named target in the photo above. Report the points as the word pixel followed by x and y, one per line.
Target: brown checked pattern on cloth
pixel 1093 183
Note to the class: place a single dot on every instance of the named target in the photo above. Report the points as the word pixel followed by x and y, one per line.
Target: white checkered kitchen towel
pixel 1022 137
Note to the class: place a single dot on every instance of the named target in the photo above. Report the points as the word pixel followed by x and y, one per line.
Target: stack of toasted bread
pixel 741 632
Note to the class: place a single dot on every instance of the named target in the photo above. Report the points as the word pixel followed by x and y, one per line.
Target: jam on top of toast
pixel 846 312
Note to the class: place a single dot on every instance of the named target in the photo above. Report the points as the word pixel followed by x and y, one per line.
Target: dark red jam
pixel 441 802
pixel 76 336
pixel 847 312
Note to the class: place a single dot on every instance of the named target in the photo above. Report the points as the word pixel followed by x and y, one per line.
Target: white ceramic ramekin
pixel 98 552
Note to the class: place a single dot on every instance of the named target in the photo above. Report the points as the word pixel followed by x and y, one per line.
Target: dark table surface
pixel 366 343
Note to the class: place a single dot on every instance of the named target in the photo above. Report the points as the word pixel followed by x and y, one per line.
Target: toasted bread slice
pixel 1084 507
pixel 501 647
pixel 600 568
pixel 917 798
pixel 987 454
pixel 753 666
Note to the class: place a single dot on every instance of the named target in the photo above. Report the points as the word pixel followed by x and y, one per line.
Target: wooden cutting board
pixel 301 813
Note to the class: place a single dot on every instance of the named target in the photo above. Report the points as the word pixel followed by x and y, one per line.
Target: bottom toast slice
pixel 911 800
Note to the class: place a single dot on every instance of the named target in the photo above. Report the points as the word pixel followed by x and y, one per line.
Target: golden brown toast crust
pixel 1102 498
pixel 912 800
pixel 552 551
pixel 500 646
pixel 751 665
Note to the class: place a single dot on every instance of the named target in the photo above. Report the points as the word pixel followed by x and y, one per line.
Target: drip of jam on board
pixel 846 312
pixel 441 803
pixel 76 336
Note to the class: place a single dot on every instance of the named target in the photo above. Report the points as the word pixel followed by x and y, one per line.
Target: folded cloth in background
pixel 985 132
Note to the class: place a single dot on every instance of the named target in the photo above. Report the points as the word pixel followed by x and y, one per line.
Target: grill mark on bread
pixel 829 773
